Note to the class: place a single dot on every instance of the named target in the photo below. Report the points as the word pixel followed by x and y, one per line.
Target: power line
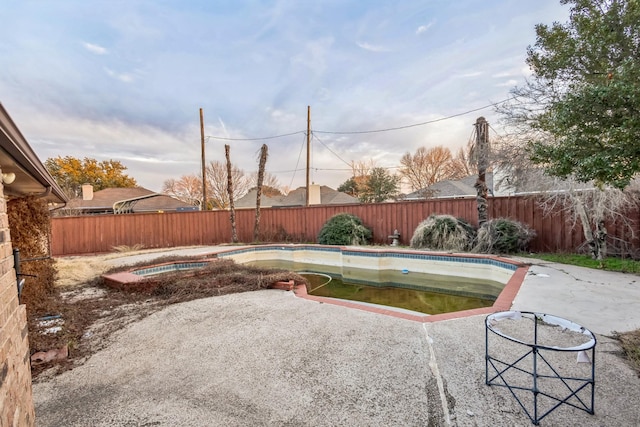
pixel 298 162
pixel 364 131
pixel 416 124
pixel 256 139
pixel 333 152
pixel 494 131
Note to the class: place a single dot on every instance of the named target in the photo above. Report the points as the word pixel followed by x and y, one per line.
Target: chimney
pixel 314 194
pixel 87 192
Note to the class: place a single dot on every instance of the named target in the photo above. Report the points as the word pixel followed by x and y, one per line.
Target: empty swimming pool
pixel 438 282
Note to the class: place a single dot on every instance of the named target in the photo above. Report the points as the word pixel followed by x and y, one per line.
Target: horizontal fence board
pixel 102 233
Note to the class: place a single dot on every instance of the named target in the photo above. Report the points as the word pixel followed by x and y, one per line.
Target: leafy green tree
pixel 71 173
pixel 380 186
pixel 375 187
pixel 581 108
pixel 350 187
pixel 578 118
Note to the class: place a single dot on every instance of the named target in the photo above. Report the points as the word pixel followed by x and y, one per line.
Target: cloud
pixel 123 77
pixel 94 48
pixel 424 28
pixel 526 71
pixel 469 74
pixel 502 74
pixel 314 54
pixel 223 127
pixel 508 83
pixel 371 47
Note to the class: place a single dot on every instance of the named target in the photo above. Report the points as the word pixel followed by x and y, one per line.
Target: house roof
pixel 249 200
pixel 297 197
pixel 104 200
pixel 452 188
pixel 17 157
pixel 328 196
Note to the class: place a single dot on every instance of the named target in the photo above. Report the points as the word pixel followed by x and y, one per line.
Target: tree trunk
pixel 232 210
pixel 482 148
pixel 598 242
pixel 263 162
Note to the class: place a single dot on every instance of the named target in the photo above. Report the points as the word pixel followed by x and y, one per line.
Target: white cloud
pixel 508 83
pixel 469 74
pixel 223 127
pixel 281 116
pixel 94 48
pixel 502 75
pixel 526 71
pixel 314 55
pixel 371 47
pixel 424 28
pixel 123 77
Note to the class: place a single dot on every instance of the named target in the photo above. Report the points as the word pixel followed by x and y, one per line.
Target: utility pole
pixel 203 205
pixel 308 150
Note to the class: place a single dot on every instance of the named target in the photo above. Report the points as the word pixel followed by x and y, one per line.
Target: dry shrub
pixel 630 342
pixel 443 232
pixel 220 276
pixel 30 225
pixel 126 248
pixel 503 236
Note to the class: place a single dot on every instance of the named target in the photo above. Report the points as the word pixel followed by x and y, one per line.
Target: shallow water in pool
pixel 424 293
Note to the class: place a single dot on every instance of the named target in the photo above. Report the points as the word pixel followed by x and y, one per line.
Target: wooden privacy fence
pixel 101 233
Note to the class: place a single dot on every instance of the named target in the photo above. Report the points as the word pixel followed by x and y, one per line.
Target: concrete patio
pixel 270 358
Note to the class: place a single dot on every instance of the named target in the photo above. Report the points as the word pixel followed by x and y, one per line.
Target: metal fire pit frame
pixel 573 385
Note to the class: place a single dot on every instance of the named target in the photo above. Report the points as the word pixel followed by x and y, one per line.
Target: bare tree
pixel 187 189
pixel 591 207
pixel 464 162
pixel 360 172
pixel 232 209
pixel 270 185
pixel 217 178
pixel 430 165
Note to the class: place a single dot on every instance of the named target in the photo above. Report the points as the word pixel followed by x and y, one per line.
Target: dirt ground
pixel 79 318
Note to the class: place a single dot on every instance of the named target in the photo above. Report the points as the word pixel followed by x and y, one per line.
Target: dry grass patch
pixel 630 343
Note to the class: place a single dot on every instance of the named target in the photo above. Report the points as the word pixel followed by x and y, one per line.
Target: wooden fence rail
pixel 101 233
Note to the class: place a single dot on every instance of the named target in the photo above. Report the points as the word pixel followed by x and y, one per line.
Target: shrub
pixel 503 236
pixel 443 232
pixel 30 226
pixel 344 229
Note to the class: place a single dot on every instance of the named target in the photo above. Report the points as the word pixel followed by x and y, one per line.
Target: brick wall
pixel 16 400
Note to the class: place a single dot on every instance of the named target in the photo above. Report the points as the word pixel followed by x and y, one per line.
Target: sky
pixel 125 79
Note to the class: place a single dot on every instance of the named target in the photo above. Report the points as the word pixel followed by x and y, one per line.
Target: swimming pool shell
pixel 499 269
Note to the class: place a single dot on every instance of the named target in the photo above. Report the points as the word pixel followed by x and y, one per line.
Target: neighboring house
pixel 461 188
pixel 123 200
pixel 22 174
pixel 318 195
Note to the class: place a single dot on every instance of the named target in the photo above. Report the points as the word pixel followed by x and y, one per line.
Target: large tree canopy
pixel 582 105
pixel 71 173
